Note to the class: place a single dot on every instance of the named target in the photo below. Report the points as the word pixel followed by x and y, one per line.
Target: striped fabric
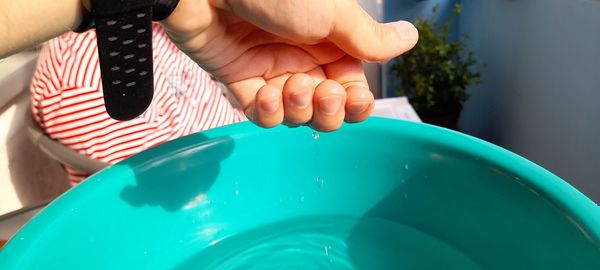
pixel 67 101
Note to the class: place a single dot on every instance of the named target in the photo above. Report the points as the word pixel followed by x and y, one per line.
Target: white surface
pixel 15 75
pixel 27 176
pixel 396 108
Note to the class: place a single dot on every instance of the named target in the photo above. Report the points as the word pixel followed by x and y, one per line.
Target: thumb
pixel 356 33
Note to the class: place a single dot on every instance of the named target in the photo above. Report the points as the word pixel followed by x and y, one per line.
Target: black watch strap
pixel 124 34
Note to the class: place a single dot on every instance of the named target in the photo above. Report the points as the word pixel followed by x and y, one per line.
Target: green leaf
pixel 436 73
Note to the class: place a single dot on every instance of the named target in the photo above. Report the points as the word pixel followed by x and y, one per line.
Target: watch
pixel 124 36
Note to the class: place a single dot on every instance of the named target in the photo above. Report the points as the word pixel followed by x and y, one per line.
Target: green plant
pixel 435 74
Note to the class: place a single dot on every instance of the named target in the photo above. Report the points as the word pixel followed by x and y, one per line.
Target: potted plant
pixel 435 74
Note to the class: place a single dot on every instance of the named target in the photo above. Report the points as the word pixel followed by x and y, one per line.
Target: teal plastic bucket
pixel 383 194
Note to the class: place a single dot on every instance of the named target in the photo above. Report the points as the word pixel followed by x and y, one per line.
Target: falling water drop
pixel 320 182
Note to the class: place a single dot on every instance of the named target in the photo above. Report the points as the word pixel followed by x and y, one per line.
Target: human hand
pixel 293 61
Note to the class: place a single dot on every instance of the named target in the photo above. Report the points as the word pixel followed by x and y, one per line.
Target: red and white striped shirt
pixel 68 104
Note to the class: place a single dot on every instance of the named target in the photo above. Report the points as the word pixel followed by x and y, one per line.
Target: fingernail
pixel 301 99
pixel 382 62
pixel 271 103
pixel 330 105
pixel 406 30
pixel 357 107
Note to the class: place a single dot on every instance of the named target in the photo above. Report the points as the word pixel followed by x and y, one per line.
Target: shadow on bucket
pixel 158 187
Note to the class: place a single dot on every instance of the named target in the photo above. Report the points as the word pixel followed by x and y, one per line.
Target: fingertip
pixel 408 34
pixel 299 81
pixel 330 96
pixel 268 108
pixel 406 30
pixel 329 101
pixel 365 111
pixel 298 91
pixel 359 104
pixel 333 126
pixel 297 99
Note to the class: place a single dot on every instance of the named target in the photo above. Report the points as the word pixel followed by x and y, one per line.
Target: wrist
pixel 124 38
pixel 86 20
pixel 161 10
pixel 87 5
pixel 189 18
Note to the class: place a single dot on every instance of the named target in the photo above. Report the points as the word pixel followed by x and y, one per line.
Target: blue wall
pixel 409 10
pixel 541 95
pixel 541 92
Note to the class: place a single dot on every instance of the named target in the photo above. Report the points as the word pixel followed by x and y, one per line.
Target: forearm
pixel 26 23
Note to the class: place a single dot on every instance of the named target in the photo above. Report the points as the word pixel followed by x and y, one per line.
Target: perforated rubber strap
pixel 124 34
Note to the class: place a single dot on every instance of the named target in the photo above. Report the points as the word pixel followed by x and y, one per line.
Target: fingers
pixel 328 101
pixel 359 105
pixel 323 97
pixel 323 106
pixel 245 93
pixel 262 102
pixel 349 72
pixel 297 99
pixel 359 35
pixel 300 102
pixel 268 107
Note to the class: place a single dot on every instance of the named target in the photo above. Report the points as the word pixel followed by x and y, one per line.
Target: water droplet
pixel 237 192
pixel 327 250
pixel 406 167
pixel 22 238
pixel 181 241
pixel 145 252
pixel 302 198
pixel 405 196
pixel 320 182
pixel 315 135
